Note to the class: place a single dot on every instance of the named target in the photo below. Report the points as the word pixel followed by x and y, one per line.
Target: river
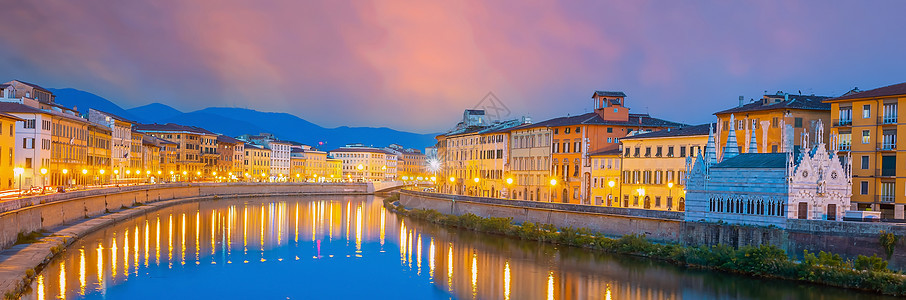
pixel 350 247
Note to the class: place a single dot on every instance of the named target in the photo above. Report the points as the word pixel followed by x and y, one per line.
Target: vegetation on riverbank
pixel 864 273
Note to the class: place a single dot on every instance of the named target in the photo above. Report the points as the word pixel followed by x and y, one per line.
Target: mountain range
pixel 233 121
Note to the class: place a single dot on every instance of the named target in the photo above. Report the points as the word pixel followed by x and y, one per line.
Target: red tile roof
pixel 890 90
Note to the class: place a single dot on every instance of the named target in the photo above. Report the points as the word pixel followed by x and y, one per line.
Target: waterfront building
pixel 334 169
pixel 654 166
pixel 315 165
pixel 151 158
pixel 574 137
pixel 99 153
pixel 766 189
pixel 168 163
pixel 280 154
pixel 135 172
pixel 257 163
pixel 297 164
pixel 230 164
pixel 188 139
pixel 8 171
pixel 606 186
pixel 120 141
pixel 775 120
pixel 51 142
pixel 476 156
pixel 411 162
pixel 868 128
pixel 363 163
pixel 530 153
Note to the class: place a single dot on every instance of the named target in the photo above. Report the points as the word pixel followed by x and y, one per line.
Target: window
pixel 775 122
pixel 866 111
pixel 866 136
pixel 682 152
pixel 890 114
pixel 578 129
pixel 647 151
pixel 626 154
pixel 556 130
pixel 888 165
pixel 670 151
pixel 864 162
pixel 888 191
pixel 846 116
pixel 740 124
pixel 657 151
pixel 609 129
pixel 609 140
pixel 566 130
pixel 636 153
pixel 797 123
pixel 30 124
pixel 28 163
pixel 863 188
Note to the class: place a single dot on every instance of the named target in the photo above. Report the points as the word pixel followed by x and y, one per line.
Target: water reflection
pixel 343 240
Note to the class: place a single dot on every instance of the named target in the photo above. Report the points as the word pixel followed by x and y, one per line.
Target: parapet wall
pixel 45 212
pixel 848 239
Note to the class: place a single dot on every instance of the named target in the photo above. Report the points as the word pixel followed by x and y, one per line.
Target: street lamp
pixel 549 190
pixel 509 181
pixel 18 172
pixel 44 177
pixel 611 184
pixel 670 195
pixel 65 171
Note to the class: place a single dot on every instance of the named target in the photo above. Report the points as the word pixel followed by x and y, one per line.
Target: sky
pixel 416 65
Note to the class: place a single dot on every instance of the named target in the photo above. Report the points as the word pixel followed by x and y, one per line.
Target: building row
pixel 612 157
pixel 45 144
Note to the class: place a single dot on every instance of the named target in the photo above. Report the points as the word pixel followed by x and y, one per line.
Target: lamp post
pixel 361 167
pixel 611 184
pixel 549 189
pixel 44 179
pixel 509 186
pixel 477 189
pixel 670 195
pixel 18 172
pixel 66 171
pixel 101 177
pixel 84 172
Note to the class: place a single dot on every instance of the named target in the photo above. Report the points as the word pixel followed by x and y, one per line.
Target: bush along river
pixel 354 247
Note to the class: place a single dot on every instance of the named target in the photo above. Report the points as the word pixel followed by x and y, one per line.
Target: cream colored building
pixel 365 163
pixel 530 152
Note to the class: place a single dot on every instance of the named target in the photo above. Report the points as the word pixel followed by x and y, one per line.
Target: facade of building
pixel 363 163
pixel 410 162
pixel 530 153
pixel 606 185
pixel 121 140
pixel 99 153
pixel 574 137
pixel 654 166
pixel 334 169
pixel 766 189
pixel 777 121
pixel 230 164
pixel 8 173
pixel 257 163
pixel 476 157
pixel 867 127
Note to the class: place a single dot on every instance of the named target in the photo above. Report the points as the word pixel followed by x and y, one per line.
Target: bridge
pixel 386 186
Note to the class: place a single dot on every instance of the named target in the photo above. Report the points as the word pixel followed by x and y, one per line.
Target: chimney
pixel 741 100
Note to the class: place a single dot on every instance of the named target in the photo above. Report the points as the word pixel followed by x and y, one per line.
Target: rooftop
pixel 674 132
pixel 118 118
pixel 170 127
pixel 610 94
pixel 606 152
pixel 808 102
pixel 359 149
pixel 890 90
pixel 592 118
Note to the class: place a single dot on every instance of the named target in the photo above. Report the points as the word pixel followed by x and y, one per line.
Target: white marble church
pixel 766 189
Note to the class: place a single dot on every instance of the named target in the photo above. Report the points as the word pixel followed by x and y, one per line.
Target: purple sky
pixel 415 65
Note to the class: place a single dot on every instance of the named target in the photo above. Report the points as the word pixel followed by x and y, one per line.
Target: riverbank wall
pixel 849 239
pixel 44 212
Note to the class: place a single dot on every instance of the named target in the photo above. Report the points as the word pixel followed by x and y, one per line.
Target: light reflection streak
pixel 135 246
pixel 506 280
pixel 431 260
pixel 100 272
pixel 62 280
pixel 147 236
pixel 409 248
pixel 358 231
pixel 230 230
pixel 197 236
pixel 113 258
pixel 170 241
pixel 126 253
pixel 213 227
pixel 450 268
pixel 418 256
pixel 157 243
pixel 383 213
pixel 182 241
pixel 347 222
pixel 550 285
pixel 474 275
pixel 297 223
pixel 40 287
pixel 403 242
pixel 82 280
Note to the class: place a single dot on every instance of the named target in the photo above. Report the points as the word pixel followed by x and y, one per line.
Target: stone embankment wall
pixel 44 212
pixel 661 226
pixel 848 239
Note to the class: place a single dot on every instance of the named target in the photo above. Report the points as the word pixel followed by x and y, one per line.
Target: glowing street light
pixel 475 179
pixel 509 181
pixel 405 177
pixel 553 182
pixel 611 184
pixel 43 171
pixel 452 179
pixel 102 171
pixel 18 172
pixel 360 167
pixel 84 171
pixel 65 171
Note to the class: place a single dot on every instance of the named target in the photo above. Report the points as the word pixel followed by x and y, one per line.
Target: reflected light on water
pixel 81 271
pixel 506 280
pixel 550 285
pixel 431 260
pixel 474 275
pixel 40 287
pixel 62 280
pixel 450 268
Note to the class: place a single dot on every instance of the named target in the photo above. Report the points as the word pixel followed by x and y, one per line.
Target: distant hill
pixel 237 121
pixel 83 100
pixel 153 111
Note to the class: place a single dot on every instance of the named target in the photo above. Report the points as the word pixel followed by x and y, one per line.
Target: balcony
pixel 885 198
pixel 842 122
pixel 887 146
pixel 845 147
pixel 887 120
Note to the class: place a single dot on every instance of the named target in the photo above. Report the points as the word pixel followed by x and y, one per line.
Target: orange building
pixel 867 126
pixel 777 121
pixel 575 137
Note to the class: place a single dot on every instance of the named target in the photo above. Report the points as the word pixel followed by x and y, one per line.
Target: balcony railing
pixel 845 147
pixel 887 119
pixel 887 146
pixel 842 122
pixel 886 198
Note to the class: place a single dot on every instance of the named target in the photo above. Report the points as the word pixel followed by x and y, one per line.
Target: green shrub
pixel 873 263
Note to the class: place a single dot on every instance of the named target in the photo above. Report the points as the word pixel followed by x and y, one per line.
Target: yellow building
pixel 654 166
pixel 476 158
pixel 334 170
pixel 7 150
pixel 777 121
pixel 530 154
pixel 605 177
pixel 192 143
pixel 257 163
pixel 867 126
pixel 363 163
pixel 99 153
pixel 315 165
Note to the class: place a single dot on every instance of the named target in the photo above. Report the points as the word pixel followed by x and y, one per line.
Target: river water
pixel 350 247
